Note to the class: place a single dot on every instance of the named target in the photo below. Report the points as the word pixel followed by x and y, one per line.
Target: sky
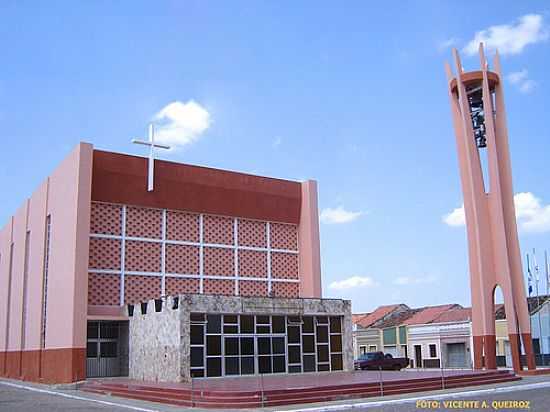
pixel 353 95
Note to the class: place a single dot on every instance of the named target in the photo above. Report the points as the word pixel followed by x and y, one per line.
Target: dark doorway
pixel 418 356
pixel 456 355
pixel 536 346
pixel 107 349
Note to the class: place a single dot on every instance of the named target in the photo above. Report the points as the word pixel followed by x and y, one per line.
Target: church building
pixel 199 273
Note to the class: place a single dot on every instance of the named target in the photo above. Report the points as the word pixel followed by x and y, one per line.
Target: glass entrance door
pixel 246 344
pixel 271 354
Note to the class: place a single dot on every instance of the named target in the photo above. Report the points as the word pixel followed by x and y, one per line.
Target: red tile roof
pixel 534 304
pixel 500 313
pixel 396 319
pixel 429 313
pixel 454 315
pixel 379 313
pixel 389 315
pixel 355 317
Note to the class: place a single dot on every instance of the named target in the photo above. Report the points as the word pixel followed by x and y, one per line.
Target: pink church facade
pixel 92 240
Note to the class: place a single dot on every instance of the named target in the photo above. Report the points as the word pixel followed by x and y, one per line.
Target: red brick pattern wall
pixel 182 259
pixel 219 287
pixel 252 288
pixel 143 256
pixel 284 236
pixel 182 226
pixel 141 288
pixel 260 246
pixel 219 262
pixel 176 286
pixel 104 254
pixel 103 289
pixel 285 290
pixel 106 219
pixel 252 233
pixel 284 266
pixel 218 230
pixel 142 222
pixel 252 263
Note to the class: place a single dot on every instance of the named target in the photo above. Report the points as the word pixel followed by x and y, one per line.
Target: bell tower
pixel 479 118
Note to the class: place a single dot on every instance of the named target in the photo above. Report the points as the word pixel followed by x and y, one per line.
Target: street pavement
pixel 529 394
pixel 524 400
pixel 13 399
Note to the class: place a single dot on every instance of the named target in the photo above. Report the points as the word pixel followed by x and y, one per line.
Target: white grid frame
pixel 268 241
pixel 163 241
pixel 122 254
pixel 236 253
pixel 201 254
pixel 163 255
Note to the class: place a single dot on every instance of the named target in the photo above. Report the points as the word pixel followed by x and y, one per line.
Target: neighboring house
pixel 504 357
pixel 394 333
pixel 539 310
pixel 441 336
pixel 442 339
pixel 366 338
pixel 385 329
pixel 540 326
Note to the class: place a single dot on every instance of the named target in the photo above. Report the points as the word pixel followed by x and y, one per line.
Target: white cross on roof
pixel 152 145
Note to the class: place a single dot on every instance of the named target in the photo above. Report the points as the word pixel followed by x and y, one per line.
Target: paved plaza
pixel 22 397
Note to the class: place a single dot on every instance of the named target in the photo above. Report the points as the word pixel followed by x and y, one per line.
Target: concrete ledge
pixel 534 372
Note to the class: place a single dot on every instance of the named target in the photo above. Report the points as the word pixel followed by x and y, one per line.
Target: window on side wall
pixel 362 350
pixel 433 352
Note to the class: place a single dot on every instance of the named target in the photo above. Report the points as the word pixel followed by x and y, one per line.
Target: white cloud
pixel 179 124
pixel 412 280
pixel 527 86
pixel 518 77
pixel 338 215
pixel 532 216
pixel 456 217
pixel 445 44
pixel 521 80
pixel 353 282
pixel 510 38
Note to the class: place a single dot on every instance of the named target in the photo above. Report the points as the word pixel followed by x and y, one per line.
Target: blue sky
pixel 352 95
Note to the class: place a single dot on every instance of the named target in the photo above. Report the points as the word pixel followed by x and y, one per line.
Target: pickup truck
pixel 377 360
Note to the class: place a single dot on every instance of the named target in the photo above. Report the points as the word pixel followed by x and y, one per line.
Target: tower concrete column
pixel 479 119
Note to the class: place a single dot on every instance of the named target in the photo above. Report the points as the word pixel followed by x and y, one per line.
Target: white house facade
pixel 446 345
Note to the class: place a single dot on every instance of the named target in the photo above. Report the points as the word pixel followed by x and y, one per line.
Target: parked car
pixel 377 360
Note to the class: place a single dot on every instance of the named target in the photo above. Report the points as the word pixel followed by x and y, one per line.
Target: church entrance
pixel 226 345
pixel 107 349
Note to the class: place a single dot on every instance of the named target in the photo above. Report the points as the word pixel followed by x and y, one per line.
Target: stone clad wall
pixel 155 350
pixel 159 341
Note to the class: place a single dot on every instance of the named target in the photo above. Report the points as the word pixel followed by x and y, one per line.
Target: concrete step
pixel 278 397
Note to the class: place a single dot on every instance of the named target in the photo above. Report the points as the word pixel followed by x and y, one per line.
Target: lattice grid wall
pixel 139 253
